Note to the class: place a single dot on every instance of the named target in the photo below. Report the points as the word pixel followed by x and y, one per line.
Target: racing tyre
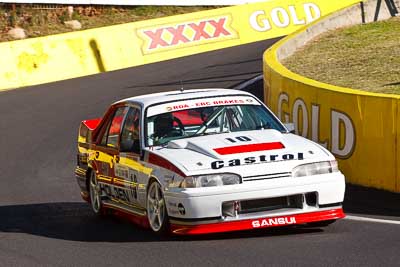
pixel 156 209
pixel 95 194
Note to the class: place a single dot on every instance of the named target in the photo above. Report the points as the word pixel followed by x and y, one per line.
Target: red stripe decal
pixel 248 148
pixel 267 222
pixel 159 161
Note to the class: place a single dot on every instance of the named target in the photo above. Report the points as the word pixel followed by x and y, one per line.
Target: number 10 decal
pixel 239 139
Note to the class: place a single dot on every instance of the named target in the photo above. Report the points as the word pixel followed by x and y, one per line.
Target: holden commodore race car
pixel 205 161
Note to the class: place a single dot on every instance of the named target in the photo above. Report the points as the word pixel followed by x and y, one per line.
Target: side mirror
pixel 136 147
pixel 289 127
pixel 126 146
pixel 130 146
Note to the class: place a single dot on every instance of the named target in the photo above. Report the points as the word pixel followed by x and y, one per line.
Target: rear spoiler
pixel 86 128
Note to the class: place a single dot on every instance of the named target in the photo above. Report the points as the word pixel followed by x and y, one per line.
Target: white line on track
pixel 249 82
pixel 365 219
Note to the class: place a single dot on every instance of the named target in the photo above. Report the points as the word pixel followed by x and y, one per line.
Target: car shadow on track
pixel 371 202
pixel 75 221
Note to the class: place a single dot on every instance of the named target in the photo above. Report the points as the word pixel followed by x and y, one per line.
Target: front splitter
pixel 265 222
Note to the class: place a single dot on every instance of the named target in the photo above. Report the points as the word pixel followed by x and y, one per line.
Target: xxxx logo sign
pixel 192 33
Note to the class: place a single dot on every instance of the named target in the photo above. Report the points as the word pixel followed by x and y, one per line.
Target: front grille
pixel 268 204
pixel 299 201
pixel 267 176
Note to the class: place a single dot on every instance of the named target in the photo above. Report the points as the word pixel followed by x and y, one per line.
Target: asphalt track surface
pixel 44 222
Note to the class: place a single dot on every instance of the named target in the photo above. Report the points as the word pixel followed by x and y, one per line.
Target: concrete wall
pixel 64 56
pixel 362 129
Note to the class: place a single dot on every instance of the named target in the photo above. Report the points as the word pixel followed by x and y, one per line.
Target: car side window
pixel 131 131
pixel 104 137
pixel 114 129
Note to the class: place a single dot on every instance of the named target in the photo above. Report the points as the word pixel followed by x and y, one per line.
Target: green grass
pixel 365 57
pixel 41 22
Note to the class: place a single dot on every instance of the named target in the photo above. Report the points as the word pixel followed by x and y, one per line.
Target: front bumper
pixel 201 203
pixel 266 222
pixel 202 210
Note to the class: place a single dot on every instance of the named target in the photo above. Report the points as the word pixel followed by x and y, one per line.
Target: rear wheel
pixel 95 194
pixel 156 209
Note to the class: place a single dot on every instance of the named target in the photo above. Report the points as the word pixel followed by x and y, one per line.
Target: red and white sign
pixel 190 33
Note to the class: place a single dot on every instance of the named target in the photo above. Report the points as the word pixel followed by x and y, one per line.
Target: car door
pixel 107 155
pixel 130 172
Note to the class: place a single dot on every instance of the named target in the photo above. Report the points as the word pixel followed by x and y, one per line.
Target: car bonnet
pixel 238 151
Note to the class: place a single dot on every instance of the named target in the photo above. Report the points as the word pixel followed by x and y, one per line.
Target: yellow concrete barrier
pixel 70 55
pixel 360 128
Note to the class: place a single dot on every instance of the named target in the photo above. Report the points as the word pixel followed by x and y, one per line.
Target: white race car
pixel 205 161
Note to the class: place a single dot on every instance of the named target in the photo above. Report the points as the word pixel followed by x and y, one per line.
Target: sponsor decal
pixel 255 160
pixel 181 209
pixel 172 211
pixel 342 141
pixel 282 17
pixel 104 168
pixel 172 204
pixel 186 34
pixel 273 221
pixel 206 104
pixel 83 157
pixel 121 171
pixel 172 208
pixel 199 103
pixel 117 192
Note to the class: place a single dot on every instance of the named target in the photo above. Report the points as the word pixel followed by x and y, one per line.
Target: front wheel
pixel 95 194
pixel 156 209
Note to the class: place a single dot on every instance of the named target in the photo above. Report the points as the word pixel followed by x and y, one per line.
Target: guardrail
pixel 82 53
pixel 360 128
pixel 254 85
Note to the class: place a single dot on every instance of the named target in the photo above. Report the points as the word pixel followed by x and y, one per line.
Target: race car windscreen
pixel 206 116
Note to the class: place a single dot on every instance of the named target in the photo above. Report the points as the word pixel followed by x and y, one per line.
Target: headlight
pixel 315 168
pixel 210 180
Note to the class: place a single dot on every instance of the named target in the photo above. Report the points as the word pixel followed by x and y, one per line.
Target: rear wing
pixel 85 130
